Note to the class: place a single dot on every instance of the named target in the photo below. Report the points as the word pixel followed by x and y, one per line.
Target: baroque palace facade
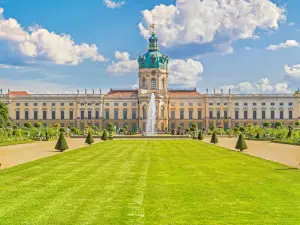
pixel 129 107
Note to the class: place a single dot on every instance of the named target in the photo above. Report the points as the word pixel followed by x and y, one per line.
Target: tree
pixel 266 124
pixel 173 132
pixel 289 135
pixel 110 127
pixel 37 124
pixel 278 124
pixel 214 139
pixel 242 129
pixel 241 144
pixel 27 125
pixel 61 144
pixel 200 136
pixel 3 113
pixel 47 136
pixel 257 135
pixel 8 123
pixel 297 123
pixel 104 136
pixel 62 129
pixel 89 139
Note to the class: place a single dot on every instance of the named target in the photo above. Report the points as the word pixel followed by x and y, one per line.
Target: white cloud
pixel 287 44
pixel 262 86
pixel 112 4
pixel 195 21
pixel 5 66
pixel 185 72
pixel 39 43
pixel 122 56
pixel 291 24
pixel 292 71
pixel 123 64
pixel 32 86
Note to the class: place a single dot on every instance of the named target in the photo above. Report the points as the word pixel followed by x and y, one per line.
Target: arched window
pixel 163 83
pixel 162 112
pixel 153 83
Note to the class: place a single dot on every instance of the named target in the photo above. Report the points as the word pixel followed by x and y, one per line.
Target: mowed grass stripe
pixel 150 182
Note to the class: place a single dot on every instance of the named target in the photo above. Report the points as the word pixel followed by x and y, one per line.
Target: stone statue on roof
pixel 85 91
pixel 221 90
pixel 1 91
pixel 229 92
pixel 206 90
pixel 214 91
pixel 78 91
pixel 93 91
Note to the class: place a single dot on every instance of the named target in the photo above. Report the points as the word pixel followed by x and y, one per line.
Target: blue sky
pixel 229 48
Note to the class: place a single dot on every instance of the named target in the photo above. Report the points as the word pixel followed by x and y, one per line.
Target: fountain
pixel 151 119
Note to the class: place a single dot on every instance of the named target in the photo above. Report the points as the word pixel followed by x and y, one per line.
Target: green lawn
pixel 150 182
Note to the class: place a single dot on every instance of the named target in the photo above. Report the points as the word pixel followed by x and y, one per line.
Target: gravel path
pixel 17 154
pixel 284 154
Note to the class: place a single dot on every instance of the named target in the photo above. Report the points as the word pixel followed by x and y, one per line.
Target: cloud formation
pixel 263 86
pixel 112 4
pixel 292 71
pixel 38 43
pixel 287 44
pixel 195 21
pixel 123 64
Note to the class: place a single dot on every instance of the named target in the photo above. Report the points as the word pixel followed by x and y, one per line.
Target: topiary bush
pixel 200 136
pixel 214 139
pixel 61 144
pixel 89 139
pixel 104 136
pixel 241 144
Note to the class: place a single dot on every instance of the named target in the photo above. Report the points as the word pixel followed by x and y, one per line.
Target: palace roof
pixel 184 93
pixel 18 93
pixel 121 93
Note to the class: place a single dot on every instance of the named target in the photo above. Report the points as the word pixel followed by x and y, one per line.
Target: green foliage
pixel 200 136
pixel 214 139
pixel 89 139
pixel 212 128
pixel 37 125
pixel 56 125
pixel 104 136
pixel 110 127
pixel 3 113
pixel 278 124
pixel 289 135
pixel 173 132
pixel 28 125
pixel 242 129
pixel 62 129
pixel 47 136
pixel 266 124
pixel 257 135
pixel 126 127
pixel 8 123
pixel 15 127
pixel 241 144
pixel 61 144
pixel 297 123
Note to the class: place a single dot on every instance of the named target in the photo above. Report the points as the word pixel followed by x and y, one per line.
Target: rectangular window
pixel 71 104
pixel 225 114
pixel 172 115
pixel 71 115
pixel 225 103
pixel 263 104
pixel 97 114
pixel 272 114
pixel 190 114
pixel 272 103
pixel 236 104
pixel 281 114
pixel 211 115
pixel 107 114
pixel 190 104
pixel 44 115
pixel 17 104
pixel 181 114
pixel 116 104
pixel 245 115
pixel 181 104
pixel 263 115
pixel 133 104
pixel 211 103
pixel 62 104
pixel 89 104
pixel 26 104
pixel 53 115
pixel 236 115
pixel 125 104
pixel 281 104
pixel 116 114
pixel 290 114
pixel 62 115
pixel 133 126
pixel 218 103
pixel 17 115
pixel 125 117
pixel 245 104
pixel 134 114
pixel 89 115
pixel 172 126
pixel 199 115
pixel 182 125
pixel 82 115
pixel 53 104
pixel 290 103
pixel 44 104
pixel 254 103
pixel 218 115
pixel 106 104
pixel 254 115
pixel 35 104
pixel 35 115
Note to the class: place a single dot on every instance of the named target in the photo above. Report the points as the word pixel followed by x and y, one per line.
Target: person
pixel 67 132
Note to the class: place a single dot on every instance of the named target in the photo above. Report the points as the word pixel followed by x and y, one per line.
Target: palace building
pixel 129 107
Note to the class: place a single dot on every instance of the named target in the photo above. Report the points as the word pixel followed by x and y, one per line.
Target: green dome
pixel 153 58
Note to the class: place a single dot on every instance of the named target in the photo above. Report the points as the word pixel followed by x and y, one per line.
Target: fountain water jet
pixel 151 119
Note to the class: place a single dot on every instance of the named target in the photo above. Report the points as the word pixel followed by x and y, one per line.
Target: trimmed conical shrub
pixel 257 135
pixel 89 139
pixel 241 144
pixel 47 136
pixel 104 136
pixel 200 136
pixel 289 135
pixel 61 144
pixel 214 139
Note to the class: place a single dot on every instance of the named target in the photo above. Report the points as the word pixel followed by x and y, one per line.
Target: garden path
pixel 281 153
pixel 17 154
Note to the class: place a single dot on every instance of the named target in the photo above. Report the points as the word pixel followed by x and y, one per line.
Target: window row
pixel 263 104
pixel 117 104
pixel 263 115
